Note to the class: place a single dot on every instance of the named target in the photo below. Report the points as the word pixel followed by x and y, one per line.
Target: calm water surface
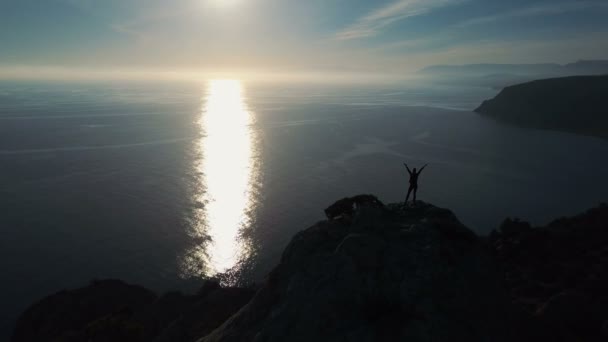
pixel 164 184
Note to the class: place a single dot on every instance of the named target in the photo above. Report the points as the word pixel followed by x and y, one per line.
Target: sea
pixel 165 184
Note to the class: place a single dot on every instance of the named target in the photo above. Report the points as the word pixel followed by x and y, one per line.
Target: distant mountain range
pixel 574 104
pixel 501 75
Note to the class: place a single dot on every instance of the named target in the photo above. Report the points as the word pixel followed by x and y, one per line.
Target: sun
pixel 225 3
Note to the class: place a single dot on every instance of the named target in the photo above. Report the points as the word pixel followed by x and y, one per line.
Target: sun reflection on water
pixel 227 171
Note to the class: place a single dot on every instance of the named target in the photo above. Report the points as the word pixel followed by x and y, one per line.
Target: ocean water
pixel 164 184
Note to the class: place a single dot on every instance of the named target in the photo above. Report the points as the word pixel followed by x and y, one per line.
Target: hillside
pixel 499 76
pixel 582 67
pixel 574 104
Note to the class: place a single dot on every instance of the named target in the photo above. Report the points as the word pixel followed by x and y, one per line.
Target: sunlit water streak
pixel 227 169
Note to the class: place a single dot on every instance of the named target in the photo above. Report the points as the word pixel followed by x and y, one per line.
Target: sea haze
pixel 108 180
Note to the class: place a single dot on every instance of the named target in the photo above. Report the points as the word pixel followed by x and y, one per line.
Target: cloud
pixel 452 36
pixel 537 10
pixel 563 49
pixel 373 23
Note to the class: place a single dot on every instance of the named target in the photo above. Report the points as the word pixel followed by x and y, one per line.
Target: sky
pixel 40 37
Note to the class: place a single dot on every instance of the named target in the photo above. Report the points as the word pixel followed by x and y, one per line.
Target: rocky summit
pixel 389 273
pixel 370 272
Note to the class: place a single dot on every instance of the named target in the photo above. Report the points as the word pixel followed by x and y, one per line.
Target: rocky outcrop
pixel 111 310
pixel 385 274
pixel 572 104
pixel 558 274
pixel 371 273
pixel 347 206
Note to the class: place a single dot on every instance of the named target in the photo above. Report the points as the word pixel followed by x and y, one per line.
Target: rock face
pixel 371 273
pixel 572 104
pixel 111 310
pixel 384 274
pixel 558 274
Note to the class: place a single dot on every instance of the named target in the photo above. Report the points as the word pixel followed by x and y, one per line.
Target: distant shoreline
pixel 574 104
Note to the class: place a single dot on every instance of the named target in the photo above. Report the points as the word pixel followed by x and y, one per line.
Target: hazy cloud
pixel 451 36
pixel 373 23
pixel 564 49
pixel 536 10
pixel 259 36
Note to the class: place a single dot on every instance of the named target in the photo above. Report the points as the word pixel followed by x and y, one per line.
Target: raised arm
pixel 408 169
pixel 419 171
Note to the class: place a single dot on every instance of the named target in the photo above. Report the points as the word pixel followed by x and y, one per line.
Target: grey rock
pixel 385 274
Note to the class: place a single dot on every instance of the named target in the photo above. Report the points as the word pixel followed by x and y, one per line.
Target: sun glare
pixel 227 170
pixel 225 3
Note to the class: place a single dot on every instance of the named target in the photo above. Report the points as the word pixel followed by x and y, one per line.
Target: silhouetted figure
pixel 413 182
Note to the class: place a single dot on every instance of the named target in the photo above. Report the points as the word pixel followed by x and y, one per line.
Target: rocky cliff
pixel 371 273
pixel 385 274
pixel 572 104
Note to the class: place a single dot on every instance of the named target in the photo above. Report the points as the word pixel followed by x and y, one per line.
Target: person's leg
pixel 415 190
pixel 408 195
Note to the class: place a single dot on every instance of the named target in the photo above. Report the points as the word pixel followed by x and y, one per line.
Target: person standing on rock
pixel 413 182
